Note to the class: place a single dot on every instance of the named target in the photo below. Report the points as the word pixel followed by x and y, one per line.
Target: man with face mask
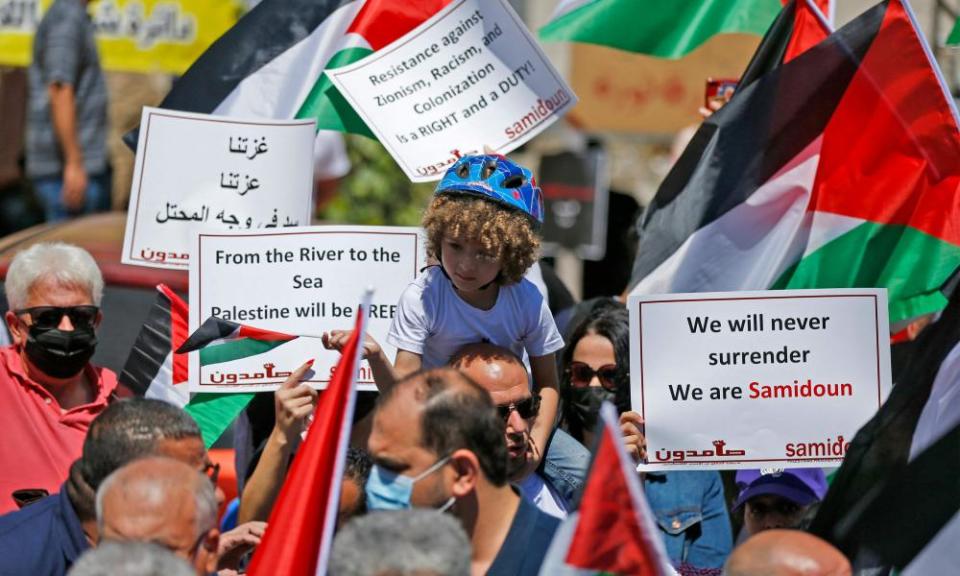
pixel 49 391
pixel 438 442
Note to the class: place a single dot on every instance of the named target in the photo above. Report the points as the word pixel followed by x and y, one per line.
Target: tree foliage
pixel 376 191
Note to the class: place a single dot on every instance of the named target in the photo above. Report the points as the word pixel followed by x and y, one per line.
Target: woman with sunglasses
pixel 690 507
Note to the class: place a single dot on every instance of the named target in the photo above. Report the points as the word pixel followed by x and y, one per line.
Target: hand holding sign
pixel 780 378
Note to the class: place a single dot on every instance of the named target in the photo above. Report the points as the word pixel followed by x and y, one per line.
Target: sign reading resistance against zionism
pixel 299 282
pixel 471 76
pixel 199 173
pixel 757 379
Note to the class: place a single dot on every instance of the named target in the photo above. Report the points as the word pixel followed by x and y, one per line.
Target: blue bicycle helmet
pixel 496 178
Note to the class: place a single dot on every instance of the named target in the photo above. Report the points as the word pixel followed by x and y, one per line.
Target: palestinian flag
pixel 839 168
pixel 920 412
pixel 271 63
pixel 222 341
pixel 654 27
pixel 612 531
pixel 801 25
pixel 152 369
pixel 304 518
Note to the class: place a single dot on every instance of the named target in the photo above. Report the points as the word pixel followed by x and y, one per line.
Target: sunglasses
pixel 48 317
pixel 527 409
pixel 582 374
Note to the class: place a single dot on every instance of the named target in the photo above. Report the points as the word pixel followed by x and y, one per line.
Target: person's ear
pixel 98 319
pixel 467 471
pixel 17 330
pixel 210 556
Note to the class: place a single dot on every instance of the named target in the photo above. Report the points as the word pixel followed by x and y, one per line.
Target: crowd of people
pixel 475 449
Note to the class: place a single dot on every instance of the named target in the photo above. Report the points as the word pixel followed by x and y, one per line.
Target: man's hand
pixel 293 402
pixel 234 544
pixel 631 424
pixel 74 186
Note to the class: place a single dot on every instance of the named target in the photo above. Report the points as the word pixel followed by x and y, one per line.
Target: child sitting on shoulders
pixel 482 231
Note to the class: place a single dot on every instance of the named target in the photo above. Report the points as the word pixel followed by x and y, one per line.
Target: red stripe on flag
pixel 608 536
pixel 179 330
pixel 891 150
pixel 808 30
pixel 304 517
pixel 380 22
pixel 261 334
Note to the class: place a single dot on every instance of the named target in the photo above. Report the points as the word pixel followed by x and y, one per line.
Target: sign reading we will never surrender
pixel 470 76
pixel 757 379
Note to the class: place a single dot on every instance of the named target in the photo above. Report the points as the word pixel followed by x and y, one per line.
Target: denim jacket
pixel 566 465
pixel 692 516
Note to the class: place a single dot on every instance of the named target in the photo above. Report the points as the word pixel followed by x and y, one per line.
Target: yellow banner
pixel 132 35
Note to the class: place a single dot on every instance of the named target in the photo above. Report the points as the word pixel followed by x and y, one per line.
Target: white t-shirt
pixel 433 321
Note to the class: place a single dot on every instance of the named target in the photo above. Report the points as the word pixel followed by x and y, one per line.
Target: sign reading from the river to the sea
pixel 299 282
pixel 469 77
pixel 757 379
pixel 200 173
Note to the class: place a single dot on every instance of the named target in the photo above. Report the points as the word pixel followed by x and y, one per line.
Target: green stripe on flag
pixel 668 29
pixel 910 264
pixel 215 412
pixel 954 38
pixel 236 349
pixel 328 106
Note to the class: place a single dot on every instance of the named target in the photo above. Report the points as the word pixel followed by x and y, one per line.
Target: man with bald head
pixel 498 371
pixel 437 442
pixel 786 553
pixel 163 501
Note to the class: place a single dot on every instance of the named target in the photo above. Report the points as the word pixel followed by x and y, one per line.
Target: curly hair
pixel 505 234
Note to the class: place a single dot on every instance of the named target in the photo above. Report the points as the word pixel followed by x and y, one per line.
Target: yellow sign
pixel 132 35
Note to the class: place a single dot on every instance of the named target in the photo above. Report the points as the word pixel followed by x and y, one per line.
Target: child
pixel 481 229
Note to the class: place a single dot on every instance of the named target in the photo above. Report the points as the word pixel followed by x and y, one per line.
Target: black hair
pixel 458 417
pixel 130 429
pixel 611 321
pixel 357 469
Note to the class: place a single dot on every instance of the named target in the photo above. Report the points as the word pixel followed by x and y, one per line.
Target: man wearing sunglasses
pixel 49 391
pixel 503 375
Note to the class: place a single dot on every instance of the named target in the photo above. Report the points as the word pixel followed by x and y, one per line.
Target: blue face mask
pixel 391 491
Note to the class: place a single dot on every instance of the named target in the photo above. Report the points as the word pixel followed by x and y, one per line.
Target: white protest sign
pixel 757 379
pixel 200 173
pixel 472 75
pixel 300 282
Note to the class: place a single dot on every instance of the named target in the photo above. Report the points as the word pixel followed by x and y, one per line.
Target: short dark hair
pixel 357 468
pixel 130 429
pixel 458 417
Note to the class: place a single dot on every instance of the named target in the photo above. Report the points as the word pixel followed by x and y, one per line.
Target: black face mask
pixel 59 353
pixel 585 404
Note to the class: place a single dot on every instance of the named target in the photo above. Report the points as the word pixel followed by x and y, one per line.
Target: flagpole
pixel 323 553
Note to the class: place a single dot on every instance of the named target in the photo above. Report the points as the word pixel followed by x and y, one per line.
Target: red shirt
pixel 38 440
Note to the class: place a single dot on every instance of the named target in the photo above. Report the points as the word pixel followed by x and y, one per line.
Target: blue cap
pixel 802 486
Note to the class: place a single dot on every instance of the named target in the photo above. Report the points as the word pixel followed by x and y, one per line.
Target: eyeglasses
pixel 212 471
pixel 582 374
pixel 48 317
pixel 527 409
